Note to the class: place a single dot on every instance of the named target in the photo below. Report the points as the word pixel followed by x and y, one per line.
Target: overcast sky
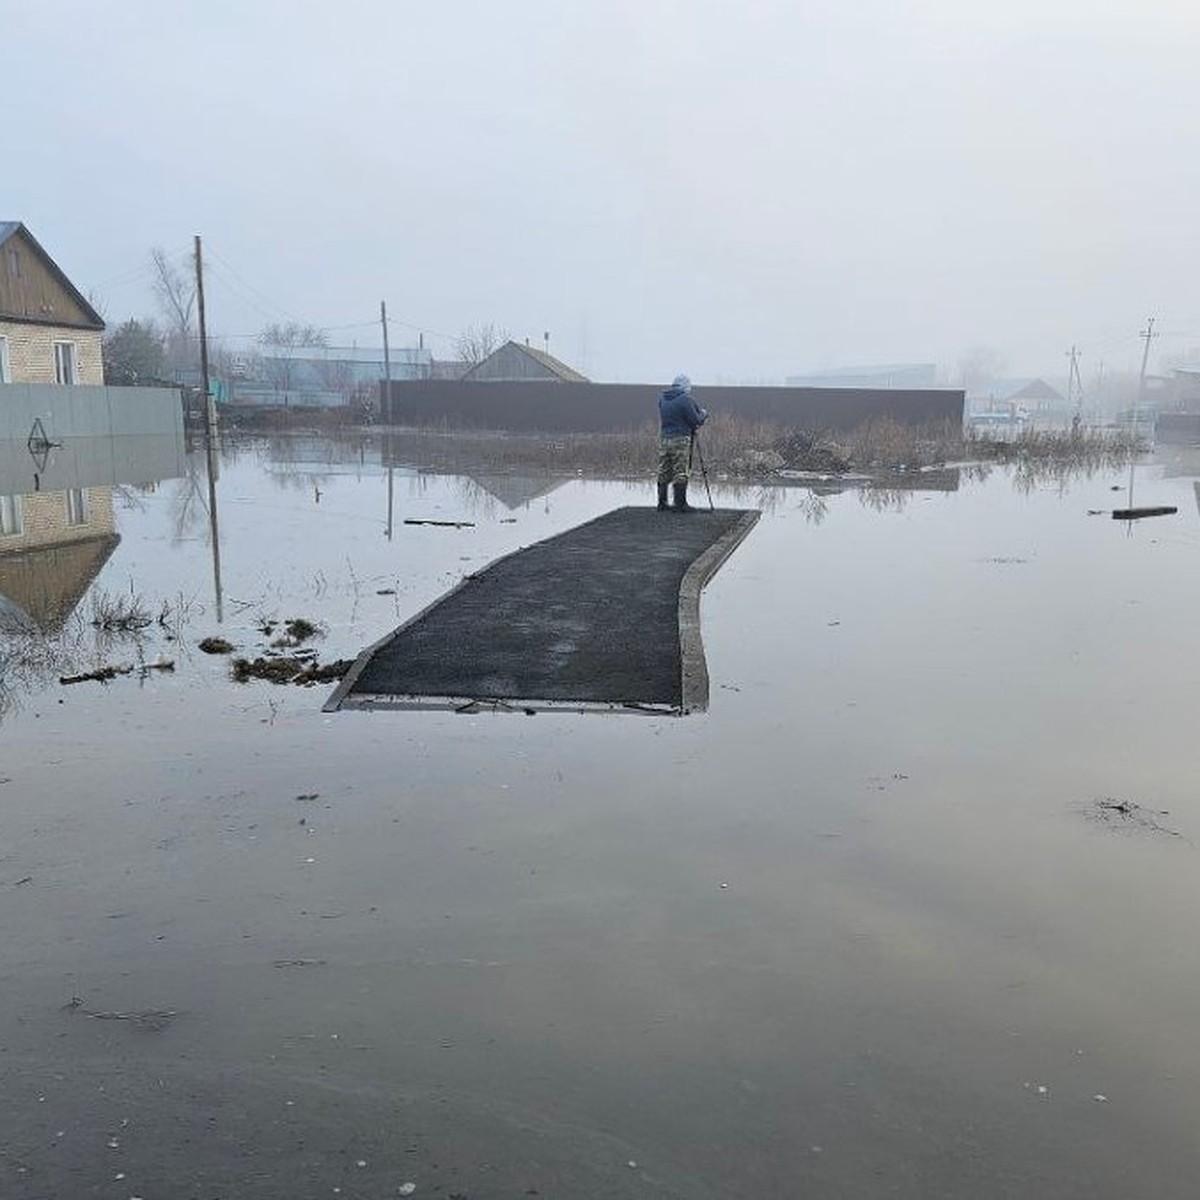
pixel 740 189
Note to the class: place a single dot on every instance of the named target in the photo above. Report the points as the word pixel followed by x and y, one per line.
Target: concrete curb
pixel 694 688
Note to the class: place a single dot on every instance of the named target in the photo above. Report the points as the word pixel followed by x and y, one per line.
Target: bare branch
pixel 176 293
pixel 476 342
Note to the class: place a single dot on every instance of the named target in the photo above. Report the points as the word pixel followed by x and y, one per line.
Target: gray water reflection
pixel 832 938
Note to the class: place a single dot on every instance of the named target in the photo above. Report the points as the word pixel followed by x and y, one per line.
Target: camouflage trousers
pixel 674 454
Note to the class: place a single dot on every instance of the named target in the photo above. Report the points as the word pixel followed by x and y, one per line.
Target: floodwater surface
pixel 907 913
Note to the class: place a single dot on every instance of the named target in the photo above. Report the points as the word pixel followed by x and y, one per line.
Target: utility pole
pixel 1147 334
pixel 209 432
pixel 1075 387
pixel 387 392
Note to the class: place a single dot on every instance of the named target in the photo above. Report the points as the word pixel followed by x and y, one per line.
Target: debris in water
pixel 1100 1098
pixel 104 674
pixel 326 673
pixel 215 645
pixel 1126 814
pixel 444 524
pixel 406 1189
pixel 300 629
pixel 287 668
pixel 299 962
pixel 308 796
pixel 1136 514
pixel 149 1020
pixel 275 670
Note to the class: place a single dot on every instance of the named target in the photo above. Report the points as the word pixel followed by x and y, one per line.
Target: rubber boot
pixel 681 504
pixel 662 497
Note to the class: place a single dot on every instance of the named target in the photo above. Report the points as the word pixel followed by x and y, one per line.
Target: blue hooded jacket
pixel 679 413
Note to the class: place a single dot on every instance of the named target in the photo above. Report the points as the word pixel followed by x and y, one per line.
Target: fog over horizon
pixel 741 192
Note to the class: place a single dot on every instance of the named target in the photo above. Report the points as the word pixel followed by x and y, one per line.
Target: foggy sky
pixel 737 190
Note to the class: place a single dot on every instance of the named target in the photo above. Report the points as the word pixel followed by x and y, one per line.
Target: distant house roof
pixel 12 229
pixel 886 375
pixel 1010 390
pixel 517 362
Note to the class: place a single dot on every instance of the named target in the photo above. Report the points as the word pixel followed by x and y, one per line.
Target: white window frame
pixel 12 522
pixel 66 362
pixel 78 509
pixel 5 361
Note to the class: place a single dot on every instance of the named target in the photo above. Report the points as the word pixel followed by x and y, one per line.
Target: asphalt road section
pixel 605 615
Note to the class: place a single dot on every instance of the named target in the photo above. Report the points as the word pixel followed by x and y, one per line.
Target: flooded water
pixel 908 912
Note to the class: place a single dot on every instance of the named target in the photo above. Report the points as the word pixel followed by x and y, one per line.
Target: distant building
pixel 448 368
pixel 517 363
pixel 890 377
pixel 1015 395
pixel 48 332
pixel 320 376
pixel 1185 389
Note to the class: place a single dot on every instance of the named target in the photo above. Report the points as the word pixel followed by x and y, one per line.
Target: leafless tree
pixel 175 290
pixel 977 368
pixel 476 342
pixel 281 344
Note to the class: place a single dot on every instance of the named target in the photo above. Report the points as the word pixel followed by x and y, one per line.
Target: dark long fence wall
pixel 608 407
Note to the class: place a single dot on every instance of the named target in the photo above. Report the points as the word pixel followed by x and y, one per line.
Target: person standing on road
pixel 679 416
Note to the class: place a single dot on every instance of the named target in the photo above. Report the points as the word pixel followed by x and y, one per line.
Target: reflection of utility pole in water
pixel 387 405
pixel 210 449
pixel 1147 334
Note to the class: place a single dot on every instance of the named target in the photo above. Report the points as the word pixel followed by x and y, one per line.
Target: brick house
pixel 52 544
pixel 49 333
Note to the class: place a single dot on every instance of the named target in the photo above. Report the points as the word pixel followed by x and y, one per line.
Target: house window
pixel 10 516
pixel 5 364
pixel 65 368
pixel 77 507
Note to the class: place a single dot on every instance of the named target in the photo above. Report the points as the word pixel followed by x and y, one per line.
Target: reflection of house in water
pixel 516 491
pixel 52 546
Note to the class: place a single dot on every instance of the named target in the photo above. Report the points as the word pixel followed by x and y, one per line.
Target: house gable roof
pixel 86 317
pixel 550 366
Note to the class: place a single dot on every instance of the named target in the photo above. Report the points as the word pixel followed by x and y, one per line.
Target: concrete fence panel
pixel 609 407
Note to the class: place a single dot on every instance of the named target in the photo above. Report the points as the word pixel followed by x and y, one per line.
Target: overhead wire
pixel 237 287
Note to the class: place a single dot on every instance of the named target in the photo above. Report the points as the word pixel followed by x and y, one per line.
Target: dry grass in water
pixel 739 449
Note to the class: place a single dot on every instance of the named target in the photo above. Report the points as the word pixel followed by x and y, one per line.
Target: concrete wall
pixel 608 407
pixel 88 411
pixel 91 462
